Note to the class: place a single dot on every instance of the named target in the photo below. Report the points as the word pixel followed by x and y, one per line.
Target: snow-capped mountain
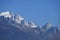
pixel 11 16
pixel 16 18
pixel 14 27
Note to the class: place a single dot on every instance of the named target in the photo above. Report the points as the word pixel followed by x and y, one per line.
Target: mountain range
pixel 14 27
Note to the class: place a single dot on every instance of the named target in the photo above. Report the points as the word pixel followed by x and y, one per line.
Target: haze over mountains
pixel 14 27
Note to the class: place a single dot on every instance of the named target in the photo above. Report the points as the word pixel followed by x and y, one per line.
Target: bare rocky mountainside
pixel 14 27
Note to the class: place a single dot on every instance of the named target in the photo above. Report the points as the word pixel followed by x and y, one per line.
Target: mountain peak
pixel 16 18
pixel 6 14
pixel 47 26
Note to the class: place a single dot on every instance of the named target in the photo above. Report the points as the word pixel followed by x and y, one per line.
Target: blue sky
pixel 38 11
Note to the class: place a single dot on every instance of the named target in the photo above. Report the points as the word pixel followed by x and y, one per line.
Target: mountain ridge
pixel 14 27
